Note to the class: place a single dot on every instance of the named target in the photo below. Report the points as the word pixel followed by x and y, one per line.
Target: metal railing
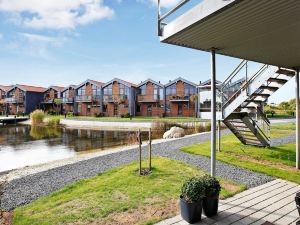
pixel 153 98
pixel 161 18
pixel 66 100
pixel 86 98
pixel 114 98
pixel 14 100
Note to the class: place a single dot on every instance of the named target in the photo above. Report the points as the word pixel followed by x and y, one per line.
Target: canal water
pixel 29 145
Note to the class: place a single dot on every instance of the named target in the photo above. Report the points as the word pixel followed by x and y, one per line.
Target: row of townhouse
pixel 117 97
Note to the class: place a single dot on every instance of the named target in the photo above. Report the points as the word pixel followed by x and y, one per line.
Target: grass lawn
pixel 174 119
pixel 119 195
pixel 275 161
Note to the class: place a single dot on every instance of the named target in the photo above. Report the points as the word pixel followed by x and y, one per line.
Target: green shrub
pixel 70 114
pixel 193 190
pixel 37 117
pixel 53 122
pixel 99 115
pixel 212 185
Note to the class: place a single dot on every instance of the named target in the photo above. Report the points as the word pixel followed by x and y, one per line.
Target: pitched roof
pixel 182 79
pixel 5 87
pixel 68 87
pixel 29 88
pixel 57 88
pixel 98 83
pixel 120 81
pixel 151 81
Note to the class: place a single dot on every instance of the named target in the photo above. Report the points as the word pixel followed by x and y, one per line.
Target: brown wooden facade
pixel 52 102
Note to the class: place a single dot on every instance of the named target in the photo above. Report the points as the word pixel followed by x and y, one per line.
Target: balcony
pixel 86 98
pixel 67 100
pixel 148 98
pixel 14 100
pixel 179 98
pixel 115 98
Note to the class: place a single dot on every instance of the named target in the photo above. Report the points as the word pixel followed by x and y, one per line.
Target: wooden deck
pixel 273 202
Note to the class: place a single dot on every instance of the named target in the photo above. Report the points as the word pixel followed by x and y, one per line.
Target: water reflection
pixel 25 145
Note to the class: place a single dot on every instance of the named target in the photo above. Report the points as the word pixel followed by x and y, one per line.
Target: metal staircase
pixel 242 109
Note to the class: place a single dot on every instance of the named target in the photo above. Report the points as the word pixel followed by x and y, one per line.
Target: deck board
pixel 272 202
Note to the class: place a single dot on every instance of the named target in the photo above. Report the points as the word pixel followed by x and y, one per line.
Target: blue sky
pixel 55 42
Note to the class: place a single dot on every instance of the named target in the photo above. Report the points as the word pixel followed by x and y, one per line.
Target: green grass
pixel 284 126
pixel 274 161
pixel 174 119
pixel 115 195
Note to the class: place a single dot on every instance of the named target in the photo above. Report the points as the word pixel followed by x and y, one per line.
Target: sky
pixel 63 42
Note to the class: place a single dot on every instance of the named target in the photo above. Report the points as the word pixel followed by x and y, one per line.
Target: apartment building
pixel 68 99
pixel 52 102
pixel 3 95
pixel 88 98
pixel 150 99
pixel 24 98
pixel 181 98
pixel 119 98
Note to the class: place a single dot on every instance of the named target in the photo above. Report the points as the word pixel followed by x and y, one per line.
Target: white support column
pixel 219 135
pixel 213 113
pixel 297 121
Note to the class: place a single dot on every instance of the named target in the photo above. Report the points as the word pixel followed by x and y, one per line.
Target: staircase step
pixel 286 72
pixel 248 107
pixel 277 80
pixel 269 88
pixel 254 143
pixel 254 101
pixel 260 95
pixel 251 139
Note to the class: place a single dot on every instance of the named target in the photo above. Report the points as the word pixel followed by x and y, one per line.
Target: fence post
pixel 150 150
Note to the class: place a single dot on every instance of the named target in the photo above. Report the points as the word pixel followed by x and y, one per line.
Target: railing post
pixel 297 121
pixel 213 112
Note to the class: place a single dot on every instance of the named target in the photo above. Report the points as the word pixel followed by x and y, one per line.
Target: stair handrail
pixel 245 86
pixel 263 115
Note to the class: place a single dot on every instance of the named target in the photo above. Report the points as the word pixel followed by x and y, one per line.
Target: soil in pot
pixel 210 205
pixel 191 212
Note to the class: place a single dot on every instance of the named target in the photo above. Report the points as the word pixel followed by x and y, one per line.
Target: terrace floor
pixel 272 202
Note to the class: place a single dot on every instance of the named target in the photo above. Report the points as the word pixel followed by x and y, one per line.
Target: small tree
pixel 58 103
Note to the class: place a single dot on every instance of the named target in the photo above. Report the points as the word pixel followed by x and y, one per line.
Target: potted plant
pixel 211 199
pixel 192 193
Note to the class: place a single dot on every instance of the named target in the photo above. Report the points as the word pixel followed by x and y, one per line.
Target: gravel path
pixel 26 189
pixel 283 140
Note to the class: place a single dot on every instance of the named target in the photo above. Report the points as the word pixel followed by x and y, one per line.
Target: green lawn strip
pixel 174 119
pixel 284 126
pixel 235 153
pixel 115 192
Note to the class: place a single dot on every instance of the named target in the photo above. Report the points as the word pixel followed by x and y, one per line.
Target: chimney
pixel 159 81
pixel 169 81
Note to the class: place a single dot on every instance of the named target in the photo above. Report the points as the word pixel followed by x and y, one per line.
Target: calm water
pixel 25 145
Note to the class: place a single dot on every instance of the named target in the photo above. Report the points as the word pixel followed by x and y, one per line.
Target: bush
pixel 70 114
pixel 53 122
pixel 99 114
pixel 212 185
pixel 37 117
pixel 193 190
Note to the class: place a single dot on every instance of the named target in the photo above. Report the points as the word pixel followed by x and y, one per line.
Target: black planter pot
pixel 191 212
pixel 210 205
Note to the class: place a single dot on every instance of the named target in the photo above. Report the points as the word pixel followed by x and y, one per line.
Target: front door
pixel 149 110
pixel 115 109
pixel 179 110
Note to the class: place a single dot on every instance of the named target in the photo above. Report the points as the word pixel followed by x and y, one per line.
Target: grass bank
pixel 117 196
pixel 274 161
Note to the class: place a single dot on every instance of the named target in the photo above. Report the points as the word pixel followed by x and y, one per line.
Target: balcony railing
pixel 179 98
pixel 114 98
pixel 67 100
pixel 148 98
pixel 86 98
pixel 14 100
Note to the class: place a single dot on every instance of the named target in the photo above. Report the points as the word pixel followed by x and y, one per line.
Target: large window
pixel 142 90
pixel 123 90
pixel 171 90
pixel 108 90
pixel 81 91
pixel 96 90
pixel 66 94
pixel 189 90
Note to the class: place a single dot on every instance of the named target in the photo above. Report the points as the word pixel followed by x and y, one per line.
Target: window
pixel 79 108
pixel 171 90
pixel 138 108
pixel 189 89
pixel 142 90
pixel 123 90
pixel 168 108
pixel 108 90
pixel 88 108
pixel 104 108
pixel 96 90
pixel 81 91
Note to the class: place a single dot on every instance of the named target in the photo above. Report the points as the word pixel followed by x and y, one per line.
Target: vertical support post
pixel 297 121
pixel 150 150
pixel 213 113
pixel 219 135
pixel 140 151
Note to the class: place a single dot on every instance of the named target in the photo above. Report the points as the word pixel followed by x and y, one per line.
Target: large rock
pixel 174 132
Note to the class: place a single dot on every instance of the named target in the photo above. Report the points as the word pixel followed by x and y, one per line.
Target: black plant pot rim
pixel 183 199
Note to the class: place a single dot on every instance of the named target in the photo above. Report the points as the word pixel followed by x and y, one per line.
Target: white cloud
pixel 55 14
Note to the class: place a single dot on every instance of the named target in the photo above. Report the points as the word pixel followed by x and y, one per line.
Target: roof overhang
pixel 258 30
